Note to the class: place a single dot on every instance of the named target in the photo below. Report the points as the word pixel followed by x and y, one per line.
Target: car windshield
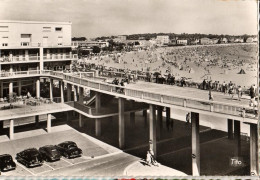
pixel 71 146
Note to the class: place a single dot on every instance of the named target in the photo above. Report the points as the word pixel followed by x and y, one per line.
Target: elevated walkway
pixel 107 111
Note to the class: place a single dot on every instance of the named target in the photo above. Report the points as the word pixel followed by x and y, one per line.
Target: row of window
pixel 44 29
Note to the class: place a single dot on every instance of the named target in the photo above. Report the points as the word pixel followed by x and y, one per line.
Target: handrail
pixel 189 102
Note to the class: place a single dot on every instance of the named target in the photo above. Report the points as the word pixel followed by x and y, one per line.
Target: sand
pixel 215 62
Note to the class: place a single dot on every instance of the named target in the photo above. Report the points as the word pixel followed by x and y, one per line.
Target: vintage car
pixel 30 157
pixel 6 163
pixel 69 149
pixel 50 153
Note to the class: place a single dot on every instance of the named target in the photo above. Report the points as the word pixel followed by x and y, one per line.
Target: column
pixel 19 87
pixel 159 121
pixel 1 90
pixel 230 129
pixel 41 59
pixel 1 126
pixel 75 93
pixel 195 144
pixel 152 129
pixel 69 89
pixel 237 138
pixel 145 117
pixel 11 87
pixel 51 89
pixel 132 115
pixel 48 123
pixel 168 113
pixel 11 129
pixel 81 95
pixel 121 122
pixel 80 120
pixel 62 91
pixel 37 120
pixel 98 121
pixel 38 88
pixel 26 54
pixel 253 150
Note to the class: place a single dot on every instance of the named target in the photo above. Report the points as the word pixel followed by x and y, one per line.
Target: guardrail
pixel 194 103
pixel 187 102
pixel 19 73
pixel 59 56
pixel 19 59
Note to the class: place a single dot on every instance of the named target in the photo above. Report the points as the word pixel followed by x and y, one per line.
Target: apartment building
pixel 27 49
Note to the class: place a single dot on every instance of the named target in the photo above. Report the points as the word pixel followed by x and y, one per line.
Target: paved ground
pixel 188 92
pixel 98 158
pixel 174 146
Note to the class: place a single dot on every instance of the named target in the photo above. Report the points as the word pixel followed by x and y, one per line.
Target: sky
pixel 93 18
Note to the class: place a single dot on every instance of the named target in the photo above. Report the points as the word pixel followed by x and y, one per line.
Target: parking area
pixel 46 167
pixel 90 148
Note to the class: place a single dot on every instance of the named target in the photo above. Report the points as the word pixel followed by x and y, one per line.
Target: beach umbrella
pixel 156 73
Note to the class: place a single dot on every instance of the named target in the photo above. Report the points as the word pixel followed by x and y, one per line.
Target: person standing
pixel 239 92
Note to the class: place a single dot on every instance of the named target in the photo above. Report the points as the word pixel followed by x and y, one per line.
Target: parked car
pixel 29 157
pixel 69 149
pixel 50 153
pixel 7 163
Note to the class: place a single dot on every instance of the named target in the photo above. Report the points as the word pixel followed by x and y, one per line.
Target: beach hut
pixel 242 71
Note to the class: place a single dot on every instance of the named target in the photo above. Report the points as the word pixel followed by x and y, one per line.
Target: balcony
pixel 19 59
pixel 7 75
pixel 57 57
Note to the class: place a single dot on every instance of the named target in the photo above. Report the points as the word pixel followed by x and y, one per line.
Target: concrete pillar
pixel 237 137
pixel 80 120
pixel 195 146
pixel 145 117
pixel 37 120
pixel 132 119
pixel 1 126
pixel 19 87
pixel 98 121
pixel 69 89
pixel 75 93
pixel 11 129
pixel 81 95
pixel 159 121
pixel 48 123
pixel 152 129
pixel 38 88
pixel 11 87
pixel 1 90
pixel 41 59
pixel 121 122
pixel 168 113
pixel 253 150
pixel 62 91
pixel 230 129
pixel 51 89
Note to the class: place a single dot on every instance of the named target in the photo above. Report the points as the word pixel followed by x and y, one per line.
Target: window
pixel 25 43
pixel 46 29
pixel 4 44
pixel 4 29
pixel 58 29
pixel 5 37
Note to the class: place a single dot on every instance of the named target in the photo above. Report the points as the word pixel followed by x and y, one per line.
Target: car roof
pixel 68 142
pixel 48 146
pixel 5 155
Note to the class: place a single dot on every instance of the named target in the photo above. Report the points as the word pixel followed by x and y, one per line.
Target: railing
pixel 59 56
pixel 187 102
pixel 19 73
pixel 19 58
pixel 194 103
